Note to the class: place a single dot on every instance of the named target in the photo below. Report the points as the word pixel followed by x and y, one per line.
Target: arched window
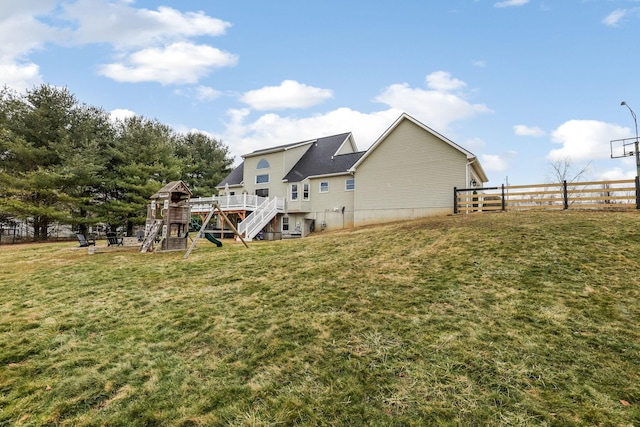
pixel 263 164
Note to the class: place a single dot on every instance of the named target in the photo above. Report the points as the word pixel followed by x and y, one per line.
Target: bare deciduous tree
pixel 564 170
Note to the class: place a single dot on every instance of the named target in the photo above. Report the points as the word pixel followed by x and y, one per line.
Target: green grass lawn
pixel 489 320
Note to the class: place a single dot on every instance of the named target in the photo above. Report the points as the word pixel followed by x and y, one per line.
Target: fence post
pixel 637 192
pixel 455 200
pixel 566 194
pixel 504 202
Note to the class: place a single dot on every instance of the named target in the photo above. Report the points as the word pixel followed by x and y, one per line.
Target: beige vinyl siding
pixel 412 172
pixel 347 147
pixel 326 208
pixel 296 205
pixel 291 157
pixel 277 170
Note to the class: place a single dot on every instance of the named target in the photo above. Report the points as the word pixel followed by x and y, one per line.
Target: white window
pixel 263 164
pixel 305 191
pixel 350 184
pixel 262 179
pixel 324 187
pixel 285 223
pixel 294 191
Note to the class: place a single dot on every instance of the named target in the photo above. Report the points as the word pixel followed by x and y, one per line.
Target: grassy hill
pixel 496 319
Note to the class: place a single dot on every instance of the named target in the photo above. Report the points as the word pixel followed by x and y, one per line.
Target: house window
pixel 305 191
pixel 350 184
pixel 263 164
pixel 285 223
pixel 294 191
pixel 324 187
pixel 262 192
pixel 262 179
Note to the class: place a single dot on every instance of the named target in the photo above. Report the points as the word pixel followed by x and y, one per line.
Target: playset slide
pixel 208 236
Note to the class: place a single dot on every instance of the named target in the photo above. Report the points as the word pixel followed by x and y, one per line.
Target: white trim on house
pixel 351 141
pixel 329 175
pixel 278 149
pixel 346 185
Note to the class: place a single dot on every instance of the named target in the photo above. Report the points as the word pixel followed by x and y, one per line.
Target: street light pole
pixel 635 121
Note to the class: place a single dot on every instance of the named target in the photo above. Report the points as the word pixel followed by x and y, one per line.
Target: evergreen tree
pixel 66 162
pixel 86 165
pixel 205 162
pixel 36 140
pixel 140 161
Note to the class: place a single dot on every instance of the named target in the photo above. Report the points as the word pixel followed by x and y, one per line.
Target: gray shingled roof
pixel 235 177
pixel 319 159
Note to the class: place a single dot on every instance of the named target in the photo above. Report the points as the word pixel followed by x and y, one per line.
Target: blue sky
pixel 520 83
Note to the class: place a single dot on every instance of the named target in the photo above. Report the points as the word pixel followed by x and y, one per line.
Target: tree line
pixel 65 162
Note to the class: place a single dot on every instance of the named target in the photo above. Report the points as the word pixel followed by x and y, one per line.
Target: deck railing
pixel 245 202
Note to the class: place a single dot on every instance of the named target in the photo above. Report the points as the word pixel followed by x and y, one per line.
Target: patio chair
pixel 84 242
pixel 114 240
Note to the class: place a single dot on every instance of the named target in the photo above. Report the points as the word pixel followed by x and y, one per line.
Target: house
pixel 410 172
pixel 326 183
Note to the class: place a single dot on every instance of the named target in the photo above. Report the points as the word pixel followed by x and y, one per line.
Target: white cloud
pixel 153 44
pixel 615 17
pixel 177 63
pixel 617 174
pixel 497 162
pixel 20 76
pixel 494 162
pixel 442 81
pixel 21 33
pixel 121 114
pixel 510 3
pixel 437 108
pixel 117 23
pixel 523 130
pixel 201 93
pixel 479 63
pixel 585 140
pixel 290 94
pixel 244 136
pixel 204 93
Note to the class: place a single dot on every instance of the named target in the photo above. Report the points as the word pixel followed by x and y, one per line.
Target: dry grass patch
pixel 500 319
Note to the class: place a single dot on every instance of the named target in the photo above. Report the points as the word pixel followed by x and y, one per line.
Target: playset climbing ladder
pixel 151 235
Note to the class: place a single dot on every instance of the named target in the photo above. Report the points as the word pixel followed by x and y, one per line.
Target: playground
pixel 170 225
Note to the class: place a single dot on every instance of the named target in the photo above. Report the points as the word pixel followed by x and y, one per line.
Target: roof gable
pixel 322 158
pixel 173 187
pixel 404 116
